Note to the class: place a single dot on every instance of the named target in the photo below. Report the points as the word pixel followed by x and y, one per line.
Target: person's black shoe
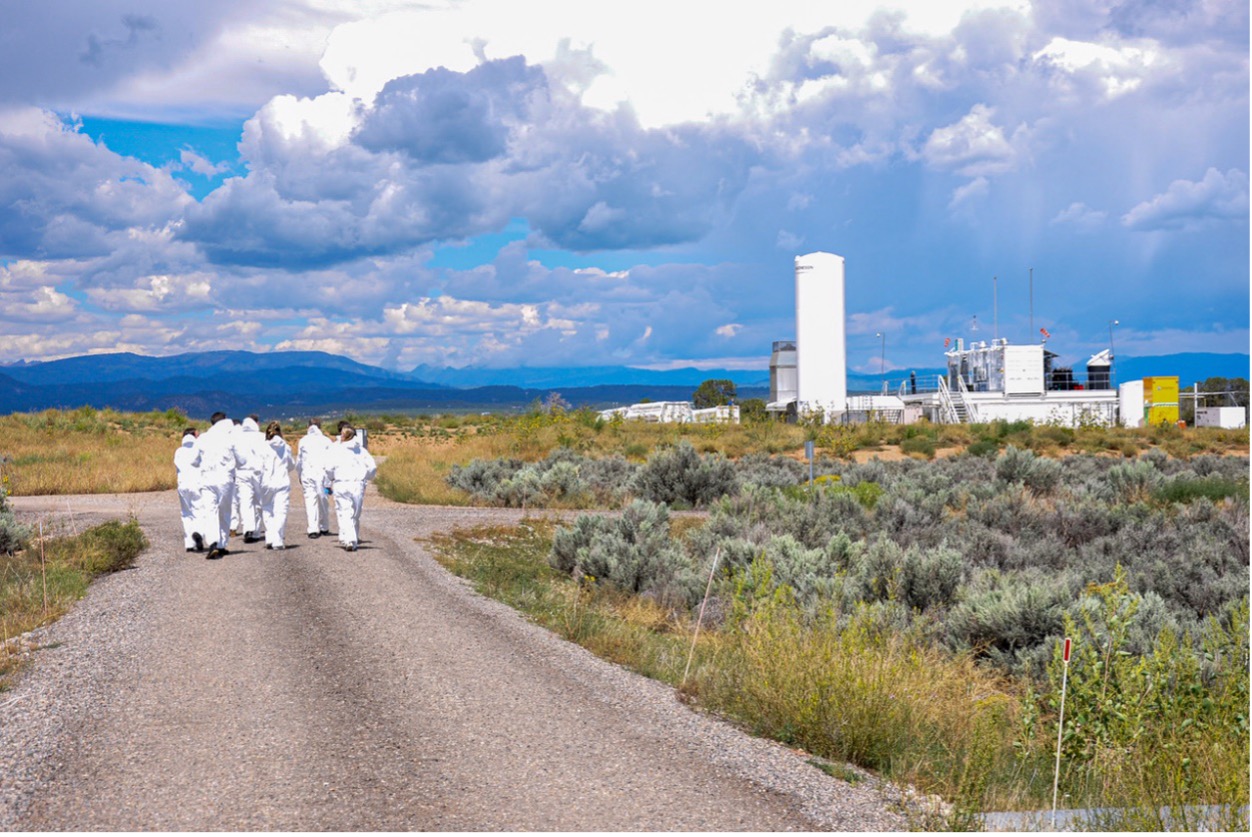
pixel 191 549
pixel 199 539
pixel 315 535
pixel 250 537
pixel 324 533
pixel 267 546
pixel 214 553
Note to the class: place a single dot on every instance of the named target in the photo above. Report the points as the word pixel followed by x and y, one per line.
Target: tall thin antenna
pixel 995 311
pixel 1032 303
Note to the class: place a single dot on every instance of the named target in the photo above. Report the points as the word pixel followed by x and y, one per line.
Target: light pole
pixel 1112 379
pixel 882 359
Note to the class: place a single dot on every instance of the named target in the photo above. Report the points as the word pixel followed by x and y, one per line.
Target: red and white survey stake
pixel 1060 728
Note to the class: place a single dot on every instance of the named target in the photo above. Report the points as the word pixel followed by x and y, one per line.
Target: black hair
pixel 190 431
pixel 216 417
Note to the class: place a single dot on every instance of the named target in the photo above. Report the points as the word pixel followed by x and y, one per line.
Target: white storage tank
pixel 821 349
pixel 1130 403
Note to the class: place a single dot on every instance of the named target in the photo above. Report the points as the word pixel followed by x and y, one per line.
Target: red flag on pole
pixel 946 342
pixel 1045 333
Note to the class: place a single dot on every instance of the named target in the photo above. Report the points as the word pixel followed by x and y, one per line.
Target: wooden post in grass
pixel 1060 730
pixel 43 567
pixel 708 588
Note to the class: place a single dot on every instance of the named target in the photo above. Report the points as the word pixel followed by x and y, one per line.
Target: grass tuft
pixel 40 583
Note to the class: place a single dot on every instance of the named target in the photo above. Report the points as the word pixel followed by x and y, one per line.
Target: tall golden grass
pixel 89 451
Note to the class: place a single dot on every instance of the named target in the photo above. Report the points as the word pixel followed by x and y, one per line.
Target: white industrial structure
pixel 674 412
pixel 984 382
pixel 997 381
pixel 821 348
pixel 1230 418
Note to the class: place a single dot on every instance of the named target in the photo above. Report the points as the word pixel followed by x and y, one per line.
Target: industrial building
pixel 985 381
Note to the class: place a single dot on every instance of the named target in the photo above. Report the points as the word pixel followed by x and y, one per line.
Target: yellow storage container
pixel 1160 400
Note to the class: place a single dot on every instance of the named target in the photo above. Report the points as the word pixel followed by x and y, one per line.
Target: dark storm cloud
pixel 440 116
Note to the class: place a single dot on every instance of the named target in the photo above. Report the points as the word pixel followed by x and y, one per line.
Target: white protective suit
pixel 349 467
pixel 251 444
pixel 189 502
pixel 276 491
pixel 217 458
pixel 311 466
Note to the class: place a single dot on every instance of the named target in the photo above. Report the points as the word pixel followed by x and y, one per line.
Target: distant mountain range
pixel 317 383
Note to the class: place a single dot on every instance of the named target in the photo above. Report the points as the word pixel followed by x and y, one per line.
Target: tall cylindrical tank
pixel 821 349
pixel 782 372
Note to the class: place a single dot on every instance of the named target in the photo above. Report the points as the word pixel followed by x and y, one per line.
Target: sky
pixel 561 183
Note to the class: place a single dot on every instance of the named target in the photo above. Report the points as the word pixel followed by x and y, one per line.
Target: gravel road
pixel 315 689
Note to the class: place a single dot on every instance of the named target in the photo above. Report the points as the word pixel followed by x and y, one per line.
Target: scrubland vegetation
pixel 907 615
pixel 904 613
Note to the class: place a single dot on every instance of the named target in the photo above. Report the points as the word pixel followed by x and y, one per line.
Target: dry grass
pixel 40 583
pixel 89 451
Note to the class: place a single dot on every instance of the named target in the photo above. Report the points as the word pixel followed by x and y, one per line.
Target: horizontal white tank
pixel 821 349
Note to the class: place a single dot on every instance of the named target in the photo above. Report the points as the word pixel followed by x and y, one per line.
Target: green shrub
pixel 679 476
pixel 632 552
pixel 1186 489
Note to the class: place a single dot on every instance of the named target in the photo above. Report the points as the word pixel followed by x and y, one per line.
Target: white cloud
pixel 1081 217
pixel 201 165
pixel 974 146
pixel 1114 69
pixel 1186 204
pixel 61 195
pixel 979 187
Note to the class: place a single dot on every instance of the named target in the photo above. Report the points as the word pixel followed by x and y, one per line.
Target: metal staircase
pixel 955 408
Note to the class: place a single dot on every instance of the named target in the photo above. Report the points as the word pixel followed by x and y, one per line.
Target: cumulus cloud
pixel 1080 216
pixel 65 196
pixel 1186 204
pixel 201 165
pixel 974 146
pixel 444 117
pixel 485 120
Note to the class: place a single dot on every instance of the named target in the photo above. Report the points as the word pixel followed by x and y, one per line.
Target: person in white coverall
pixel 276 486
pixel 248 478
pixel 311 467
pixel 217 457
pixel 349 467
pixel 189 492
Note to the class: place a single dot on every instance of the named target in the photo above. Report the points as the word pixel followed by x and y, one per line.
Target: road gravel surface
pixel 316 689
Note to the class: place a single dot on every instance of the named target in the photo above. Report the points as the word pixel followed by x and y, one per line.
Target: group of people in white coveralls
pixel 235 478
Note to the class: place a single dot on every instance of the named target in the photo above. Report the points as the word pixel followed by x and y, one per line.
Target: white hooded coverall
pixel 311 466
pixel 276 491
pixel 217 458
pixel 251 444
pixel 349 466
pixel 189 491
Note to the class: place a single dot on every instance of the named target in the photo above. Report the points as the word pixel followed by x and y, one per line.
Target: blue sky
pixel 560 183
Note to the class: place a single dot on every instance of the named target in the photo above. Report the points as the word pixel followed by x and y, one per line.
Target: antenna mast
pixel 1032 302
pixel 995 311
